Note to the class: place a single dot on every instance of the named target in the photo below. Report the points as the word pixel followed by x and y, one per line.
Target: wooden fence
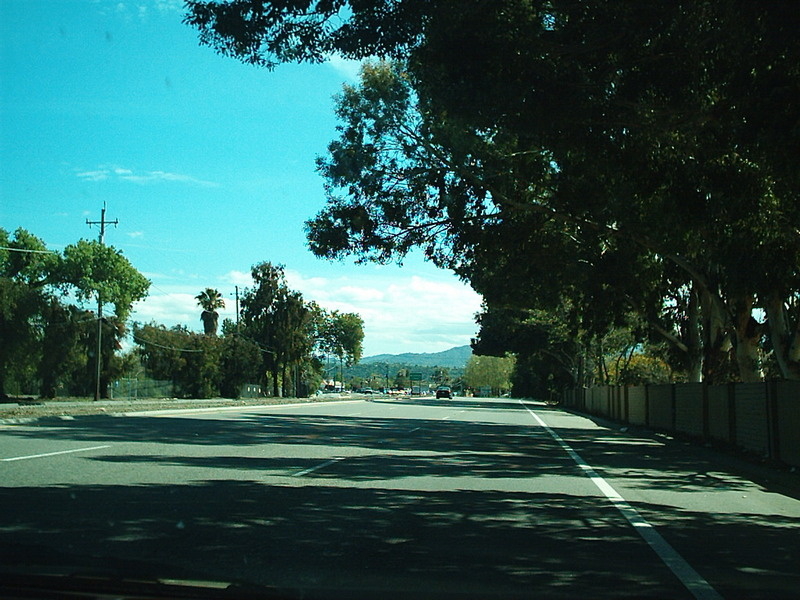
pixel 759 417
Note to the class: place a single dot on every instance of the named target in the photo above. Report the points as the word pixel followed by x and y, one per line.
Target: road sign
pixel 415 376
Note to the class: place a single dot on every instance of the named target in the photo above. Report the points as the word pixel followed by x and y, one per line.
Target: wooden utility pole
pixel 102 222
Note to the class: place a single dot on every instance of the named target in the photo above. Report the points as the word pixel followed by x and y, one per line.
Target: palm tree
pixel 210 300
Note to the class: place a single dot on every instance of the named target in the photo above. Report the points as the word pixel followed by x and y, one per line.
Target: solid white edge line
pixel 318 467
pixel 53 453
pixel 690 578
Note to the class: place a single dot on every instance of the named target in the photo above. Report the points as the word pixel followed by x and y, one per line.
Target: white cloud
pixel 405 314
pixel 239 278
pixel 140 9
pixel 98 175
pixel 351 69
pixel 411 314
pixel 105 173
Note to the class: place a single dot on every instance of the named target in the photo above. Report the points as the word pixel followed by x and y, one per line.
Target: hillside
pixel 453 358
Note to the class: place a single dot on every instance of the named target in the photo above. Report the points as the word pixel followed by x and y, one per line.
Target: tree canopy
pixel 617 159
pixel 47 337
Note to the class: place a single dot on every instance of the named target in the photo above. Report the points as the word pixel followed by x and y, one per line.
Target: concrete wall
pixel 689 408
pixel 752 426
pixel 719 413
pixel 759 417
pixel 659 399
pixel 637 405
pixel 787 405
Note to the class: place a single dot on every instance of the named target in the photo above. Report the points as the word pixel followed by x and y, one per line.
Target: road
pixel 396 498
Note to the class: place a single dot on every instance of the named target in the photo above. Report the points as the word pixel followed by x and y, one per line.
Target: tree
pixel 280 322
pixel 402 380
pixel 93 270
pixel 270 33
pixel 611 130
pixel 24 262
pixel 44 338
pixel 440 376
pixel 493 372
pixel 194 363
pixel 210 300
pixel 240 361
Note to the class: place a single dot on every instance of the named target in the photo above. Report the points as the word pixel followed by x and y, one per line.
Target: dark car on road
pixel 443 392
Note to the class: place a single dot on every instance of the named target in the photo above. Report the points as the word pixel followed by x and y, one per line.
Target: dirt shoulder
pixel 28 408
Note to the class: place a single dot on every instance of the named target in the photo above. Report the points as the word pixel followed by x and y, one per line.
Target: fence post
pixel 732 412
pixel 673 408
pixel 625 405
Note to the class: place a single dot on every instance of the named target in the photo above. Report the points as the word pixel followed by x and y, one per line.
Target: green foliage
pixel 493 372
pixel 92 269
pixel 210 300
pixel 270 33
pixel 342 336
pixel 48 343
pixel 66 335
pixel 618 154
pixel 644 369
pixel 239 365
pixel 289 331
pixel 193 362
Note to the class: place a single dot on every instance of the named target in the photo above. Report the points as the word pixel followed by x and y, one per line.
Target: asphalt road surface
pixel 396 498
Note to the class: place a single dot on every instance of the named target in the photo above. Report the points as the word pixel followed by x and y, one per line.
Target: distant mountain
pixel 454 358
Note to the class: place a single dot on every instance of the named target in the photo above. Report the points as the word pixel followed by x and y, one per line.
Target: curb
pixel 162 411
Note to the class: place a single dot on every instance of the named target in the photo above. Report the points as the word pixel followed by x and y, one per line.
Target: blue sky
pixel 208 165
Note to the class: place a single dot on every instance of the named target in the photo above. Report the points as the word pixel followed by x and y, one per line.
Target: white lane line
pixel 690 578
pixel 53 453
pixel 318 467
pixel 415 429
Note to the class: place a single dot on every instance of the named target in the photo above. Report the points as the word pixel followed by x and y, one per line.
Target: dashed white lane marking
pixel 53 453
pixel 318 467
pixel 693 581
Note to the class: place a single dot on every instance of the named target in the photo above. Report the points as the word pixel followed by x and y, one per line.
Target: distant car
pixel 443 392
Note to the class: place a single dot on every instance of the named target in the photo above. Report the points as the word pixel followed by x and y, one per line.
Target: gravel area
pixel 29 408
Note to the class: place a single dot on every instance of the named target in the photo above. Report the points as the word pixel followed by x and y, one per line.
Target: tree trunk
pixel 716 340
pixel 276 382
pixel 285 381
pixel 785 342
pixel 694 341
pixel 210 321
pixel 748 340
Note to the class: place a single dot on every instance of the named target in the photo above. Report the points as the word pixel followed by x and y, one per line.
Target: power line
pixel 28 251
pixel 144 341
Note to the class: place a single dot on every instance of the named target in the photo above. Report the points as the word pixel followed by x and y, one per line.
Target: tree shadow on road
pixel 432 447
pixel 340 542
pixel 456 402
pixel 345 542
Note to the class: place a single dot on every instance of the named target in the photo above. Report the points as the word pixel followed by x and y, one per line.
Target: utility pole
pixel 102 222
pixel 237 309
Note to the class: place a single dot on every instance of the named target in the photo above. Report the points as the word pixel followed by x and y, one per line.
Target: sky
pixel 207 164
